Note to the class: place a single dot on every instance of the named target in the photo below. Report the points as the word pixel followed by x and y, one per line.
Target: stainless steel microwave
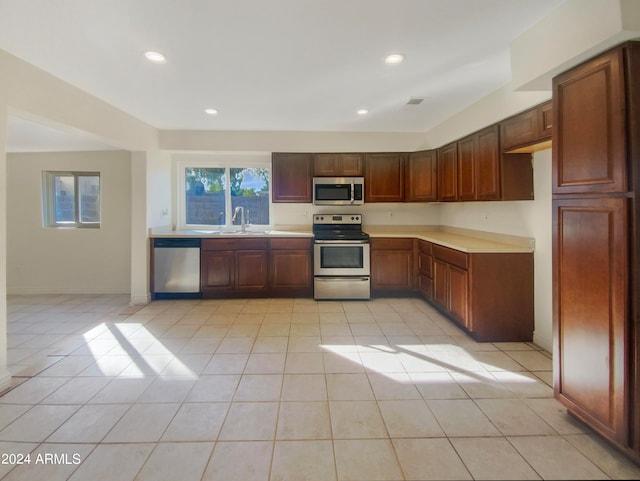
pixel 338 190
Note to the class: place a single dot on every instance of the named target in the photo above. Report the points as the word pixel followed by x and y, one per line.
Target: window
pixel 71 199
pixel 210 192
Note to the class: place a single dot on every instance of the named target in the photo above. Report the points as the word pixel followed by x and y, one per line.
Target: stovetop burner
pixel 338 227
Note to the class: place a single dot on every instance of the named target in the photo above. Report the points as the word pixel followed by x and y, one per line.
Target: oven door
pixel 341 258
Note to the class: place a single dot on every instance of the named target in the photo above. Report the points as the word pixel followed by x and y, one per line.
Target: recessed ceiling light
pixel 394 58
pixel 363 112
pixel 211 111
pixel 155 57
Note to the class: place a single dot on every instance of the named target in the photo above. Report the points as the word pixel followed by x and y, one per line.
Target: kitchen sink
pixel 246 232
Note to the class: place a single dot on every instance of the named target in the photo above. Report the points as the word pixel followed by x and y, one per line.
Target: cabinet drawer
pixel 425 247
pixel 456 258
pixel 425 264
pixel 393 243
pixel 233 244
pixel 290 243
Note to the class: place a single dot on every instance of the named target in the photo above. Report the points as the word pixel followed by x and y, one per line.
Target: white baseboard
pixel 66 290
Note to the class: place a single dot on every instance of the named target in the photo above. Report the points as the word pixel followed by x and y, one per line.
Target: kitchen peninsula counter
pixel 465 240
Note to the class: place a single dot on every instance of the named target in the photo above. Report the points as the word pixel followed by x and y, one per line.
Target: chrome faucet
pixel 243 225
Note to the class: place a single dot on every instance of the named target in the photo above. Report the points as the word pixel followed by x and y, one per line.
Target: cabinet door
pixel 448 172
pixel 588 115
pixel 217 271
pixel 290 269
pixel 488 164
pixel 441 283
pixel 291 177
pixel 467 168
pixel 590 285
pixel 337 165
pixel 392 264
pixel 422 178
pixel 545 120
pixel 458 294
pixel 391 270
pixel 251 270
pixel 351 165
pixel 384 177
pixel 519 130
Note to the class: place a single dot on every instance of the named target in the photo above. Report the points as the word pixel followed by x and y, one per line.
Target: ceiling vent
pixel 415 100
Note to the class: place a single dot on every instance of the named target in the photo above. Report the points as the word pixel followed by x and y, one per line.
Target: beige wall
pixel 523 218
pixel 49 260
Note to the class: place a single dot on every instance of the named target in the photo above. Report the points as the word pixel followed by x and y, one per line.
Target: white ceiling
pixel 298 65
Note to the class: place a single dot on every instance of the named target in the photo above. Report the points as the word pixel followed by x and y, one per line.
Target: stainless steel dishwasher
pixel 176 268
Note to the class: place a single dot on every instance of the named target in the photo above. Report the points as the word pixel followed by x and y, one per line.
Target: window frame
pixel 49 199
pixel 226 162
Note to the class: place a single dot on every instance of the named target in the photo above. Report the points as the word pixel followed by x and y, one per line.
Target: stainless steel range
pixel 341 257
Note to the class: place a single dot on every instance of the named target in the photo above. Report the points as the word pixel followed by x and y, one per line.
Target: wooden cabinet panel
pixel 479 166
pixel 590 311
pixel 448 172
pixel 521 132
pixel 251 270
pixel 217 270
pixel 589 111
pixel 422 178
pixel 384 177
pixel 467 157
pixel 391 265
pixel 291 267
pixel 441 283
pixel 338 165
pixel 545 120
pixel 291 177
pixel 450 290
pixel 488 165
pixel 458 301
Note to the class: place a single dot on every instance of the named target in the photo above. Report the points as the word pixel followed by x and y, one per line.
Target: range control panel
pixel 337 219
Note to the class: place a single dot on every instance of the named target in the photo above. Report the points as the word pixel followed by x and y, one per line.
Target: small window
pixel 71 199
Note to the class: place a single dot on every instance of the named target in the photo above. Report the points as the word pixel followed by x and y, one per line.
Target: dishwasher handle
pixel 169 242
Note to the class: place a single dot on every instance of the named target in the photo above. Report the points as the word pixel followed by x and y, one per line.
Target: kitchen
pixel 151 168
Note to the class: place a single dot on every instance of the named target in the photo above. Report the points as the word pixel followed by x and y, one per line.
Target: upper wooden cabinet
pixel 589 110
pixel 291 176
pixel 384 177
pixel 528 131
pixel 479 166
pixel 421 176
pixel 338 165
pixel 448 172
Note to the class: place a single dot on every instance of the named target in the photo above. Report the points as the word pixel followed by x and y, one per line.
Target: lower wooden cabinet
pixel 591 272
pixel 391 265
pixel 233 267
pixel 256 267
pixel 451 283
pixel 290 267
pixel 490 295
pixel 424 274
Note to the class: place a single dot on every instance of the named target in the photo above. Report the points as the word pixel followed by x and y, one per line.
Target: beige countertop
pixel 464 240
pixel 277 231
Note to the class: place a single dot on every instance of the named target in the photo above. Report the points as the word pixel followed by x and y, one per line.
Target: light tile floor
pixel 279 389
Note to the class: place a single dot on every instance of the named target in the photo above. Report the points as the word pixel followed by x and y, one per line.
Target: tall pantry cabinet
pixel 596 268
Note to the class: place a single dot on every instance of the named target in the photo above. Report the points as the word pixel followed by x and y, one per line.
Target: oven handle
pixel 341 279
pixel 316 241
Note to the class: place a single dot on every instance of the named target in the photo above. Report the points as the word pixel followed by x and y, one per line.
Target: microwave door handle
pixel 353 191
